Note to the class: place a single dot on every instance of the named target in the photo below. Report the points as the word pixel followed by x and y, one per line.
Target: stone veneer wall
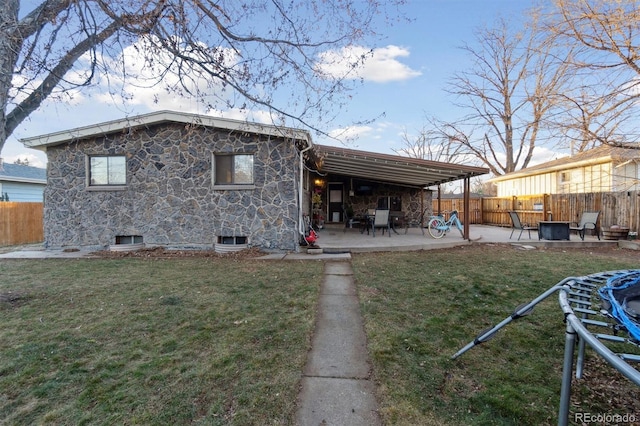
pixel 169 198
pixel 414 201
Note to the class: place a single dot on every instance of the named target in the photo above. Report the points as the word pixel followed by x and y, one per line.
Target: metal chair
pixel 381 220
pixel 517 224
pixel 589 220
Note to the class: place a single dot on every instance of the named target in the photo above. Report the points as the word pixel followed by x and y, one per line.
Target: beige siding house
pixel 602 169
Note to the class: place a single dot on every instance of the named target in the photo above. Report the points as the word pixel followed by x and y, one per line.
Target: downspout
pixel 301 229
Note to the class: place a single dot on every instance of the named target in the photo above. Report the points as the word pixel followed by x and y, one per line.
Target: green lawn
pixel 224 341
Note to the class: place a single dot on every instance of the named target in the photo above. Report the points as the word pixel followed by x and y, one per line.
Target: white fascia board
pixel 61 137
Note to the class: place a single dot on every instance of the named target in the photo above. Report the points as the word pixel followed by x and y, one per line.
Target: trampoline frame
pixel 575 294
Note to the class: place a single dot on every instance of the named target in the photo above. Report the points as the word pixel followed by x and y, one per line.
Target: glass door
pixel 336 191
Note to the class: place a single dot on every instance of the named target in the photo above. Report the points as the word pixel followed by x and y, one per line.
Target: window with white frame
pixel 233 169
pixel 107 170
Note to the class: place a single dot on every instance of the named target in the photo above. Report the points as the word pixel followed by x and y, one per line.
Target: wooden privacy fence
pixel 616 208
pixel 449 204
pixel 21 223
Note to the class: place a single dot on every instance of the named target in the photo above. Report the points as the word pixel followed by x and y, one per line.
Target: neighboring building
pixel 22 183
pixel 602 169
pixel 183 180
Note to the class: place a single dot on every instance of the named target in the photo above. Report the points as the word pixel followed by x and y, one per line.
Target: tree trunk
pixel 9 48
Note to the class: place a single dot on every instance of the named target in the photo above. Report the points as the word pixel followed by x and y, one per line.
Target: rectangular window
pixel 233 169
pixel 107 170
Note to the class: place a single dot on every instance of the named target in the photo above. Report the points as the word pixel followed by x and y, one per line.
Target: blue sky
pixel 403 83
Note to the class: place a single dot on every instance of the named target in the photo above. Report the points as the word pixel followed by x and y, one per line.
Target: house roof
pixel 396 169
pixel 21 173
pixel 145 120
pixel 347 162
pixel 600 154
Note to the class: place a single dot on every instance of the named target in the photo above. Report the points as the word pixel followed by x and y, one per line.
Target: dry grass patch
pixel 422 307
pixel 154 341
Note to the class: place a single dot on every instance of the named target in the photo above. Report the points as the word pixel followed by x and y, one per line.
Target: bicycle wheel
pixel 437 228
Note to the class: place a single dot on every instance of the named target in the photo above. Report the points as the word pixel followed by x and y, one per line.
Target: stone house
pixel 172 179
pixel 182 180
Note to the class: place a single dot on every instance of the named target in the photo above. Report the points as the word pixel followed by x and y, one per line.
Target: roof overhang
pixel 555 168
pixel 404 171
pixel 160 117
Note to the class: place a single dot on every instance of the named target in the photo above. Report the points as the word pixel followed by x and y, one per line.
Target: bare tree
pixel 587 120
pixel 509 92
pixel 431 143
pixel 605 38
pixel 251 53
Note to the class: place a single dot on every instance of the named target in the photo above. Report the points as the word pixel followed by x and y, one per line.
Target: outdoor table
pixel 398 220
pixel 367 222
pixel 553 230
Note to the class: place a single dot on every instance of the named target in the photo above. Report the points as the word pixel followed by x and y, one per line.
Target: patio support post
pixel 466 206
pixel 422 208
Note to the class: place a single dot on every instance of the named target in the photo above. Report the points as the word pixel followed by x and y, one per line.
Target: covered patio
pixel 373 180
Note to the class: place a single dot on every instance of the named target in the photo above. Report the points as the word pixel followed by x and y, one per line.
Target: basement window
pixel 128 239
pixel 232 240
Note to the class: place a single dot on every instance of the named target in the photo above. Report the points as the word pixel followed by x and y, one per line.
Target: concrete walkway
pixel 336 385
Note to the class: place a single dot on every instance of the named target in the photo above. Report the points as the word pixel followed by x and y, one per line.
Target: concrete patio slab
pixel 44 254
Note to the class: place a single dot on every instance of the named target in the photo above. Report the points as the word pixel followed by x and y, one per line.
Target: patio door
pixel 336 190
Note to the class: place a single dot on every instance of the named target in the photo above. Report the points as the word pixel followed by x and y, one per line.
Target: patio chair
pixel 517 224
pixel 381 220
pixel 589 220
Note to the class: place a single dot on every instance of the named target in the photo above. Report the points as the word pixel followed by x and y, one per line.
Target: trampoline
pixel 599 310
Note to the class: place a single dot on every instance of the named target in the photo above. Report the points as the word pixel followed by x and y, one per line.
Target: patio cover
pixel 398 170
pixel 404 171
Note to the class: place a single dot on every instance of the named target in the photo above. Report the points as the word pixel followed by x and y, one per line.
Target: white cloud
pixel 543 155
pixel 350 133
pixel 146 84
pixel 380 65
pixel 33 159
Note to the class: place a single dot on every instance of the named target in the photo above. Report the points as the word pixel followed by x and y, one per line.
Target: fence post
pixel 546 207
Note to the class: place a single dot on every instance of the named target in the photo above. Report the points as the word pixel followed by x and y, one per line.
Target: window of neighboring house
pixel 233 169
pixel 565 183
pixel 108 170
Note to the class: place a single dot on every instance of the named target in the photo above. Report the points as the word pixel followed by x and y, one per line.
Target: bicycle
pixel 438 227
